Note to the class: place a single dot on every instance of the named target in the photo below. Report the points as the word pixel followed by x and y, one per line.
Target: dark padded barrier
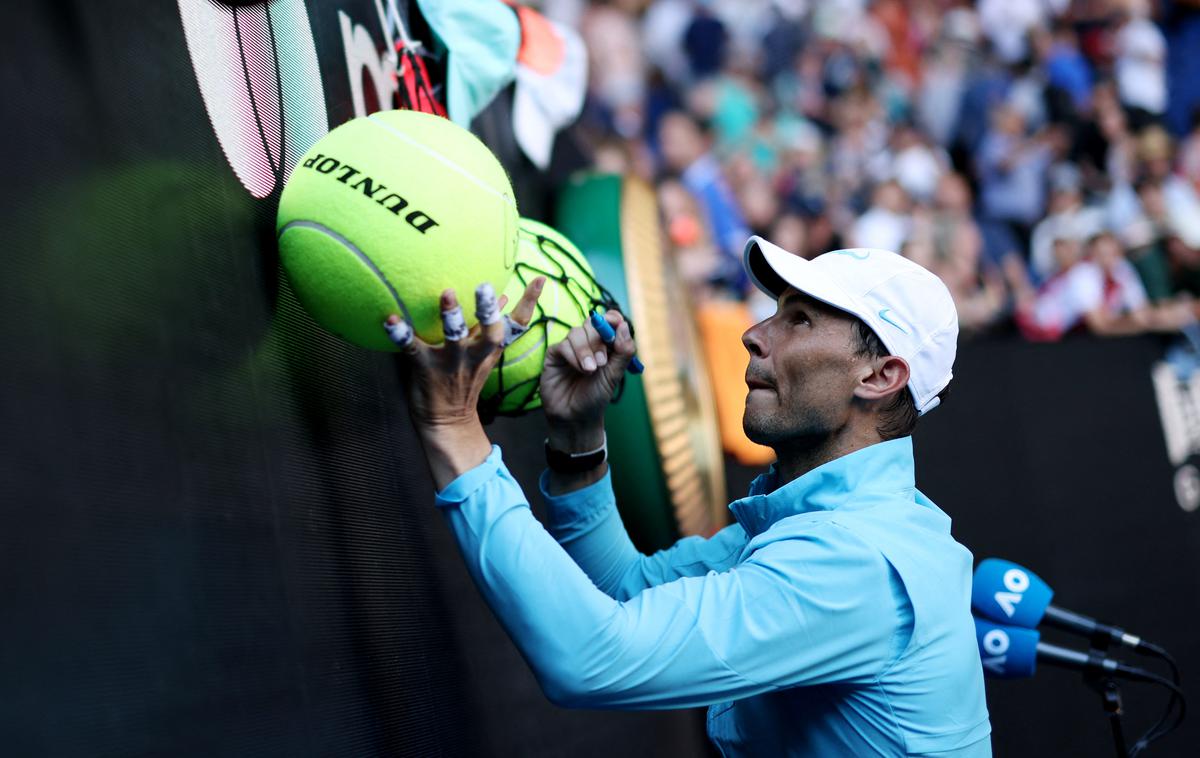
pixel 218 536
pixel 1053 456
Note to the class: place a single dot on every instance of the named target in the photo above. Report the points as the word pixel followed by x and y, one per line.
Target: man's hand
pixel 444 381
pixel 578 381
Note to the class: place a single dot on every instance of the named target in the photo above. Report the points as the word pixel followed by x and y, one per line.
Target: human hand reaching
pixel 579 378
pixel 443 381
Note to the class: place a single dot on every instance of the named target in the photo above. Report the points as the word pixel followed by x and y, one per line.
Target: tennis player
pixel 830 619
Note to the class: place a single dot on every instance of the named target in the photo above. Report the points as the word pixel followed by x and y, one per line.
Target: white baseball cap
pixel 908 307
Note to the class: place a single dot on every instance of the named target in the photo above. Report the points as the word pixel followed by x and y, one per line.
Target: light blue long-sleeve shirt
pixel 831 619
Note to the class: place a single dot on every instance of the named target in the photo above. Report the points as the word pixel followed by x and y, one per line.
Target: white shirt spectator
pixel 663 28
pixel 1006 23
pixel 881 228
pixel 1066 299
pixel 1141 72
pixel 917 169
pixel 1077 224
pixel 1183 209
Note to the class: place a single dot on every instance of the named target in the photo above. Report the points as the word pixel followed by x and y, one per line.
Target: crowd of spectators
pixel 1041 156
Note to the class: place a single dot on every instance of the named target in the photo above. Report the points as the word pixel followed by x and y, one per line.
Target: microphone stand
pixel 1110 696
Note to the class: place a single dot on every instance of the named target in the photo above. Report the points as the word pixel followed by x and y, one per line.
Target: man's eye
pixel 800 317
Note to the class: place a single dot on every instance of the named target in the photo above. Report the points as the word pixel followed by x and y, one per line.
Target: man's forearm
pixel 453 449
pixel 575 438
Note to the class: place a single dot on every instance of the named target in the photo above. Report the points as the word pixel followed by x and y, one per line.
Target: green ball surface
pixel 570 294
pixel 387 211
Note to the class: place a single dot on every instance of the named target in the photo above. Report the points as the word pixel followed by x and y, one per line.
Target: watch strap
pixel 575 463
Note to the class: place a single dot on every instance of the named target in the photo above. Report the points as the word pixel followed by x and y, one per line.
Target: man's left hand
pixel 444 381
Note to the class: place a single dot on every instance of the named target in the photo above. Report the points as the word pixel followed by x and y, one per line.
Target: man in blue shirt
pixel 832 618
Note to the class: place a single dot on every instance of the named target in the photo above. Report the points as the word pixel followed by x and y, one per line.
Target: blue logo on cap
pixel 883 315
pixel 857 253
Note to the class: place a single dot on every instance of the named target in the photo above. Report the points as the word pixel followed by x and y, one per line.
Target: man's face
pixel 802 373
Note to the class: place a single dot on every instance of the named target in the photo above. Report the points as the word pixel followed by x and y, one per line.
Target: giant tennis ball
pixel 570 294
pixel 385 212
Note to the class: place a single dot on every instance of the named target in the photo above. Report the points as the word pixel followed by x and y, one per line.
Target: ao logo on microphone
pixel 1007 652
pixel 993 646
pixel 1016 582
pixel 1004 592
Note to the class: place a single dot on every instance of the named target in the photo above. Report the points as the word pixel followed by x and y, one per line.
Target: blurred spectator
pixel 1069 218
pixel 1189 152
pixel 1012 173
pixel 704 41
pixel 886 224
pixel 1102 293
pixel 994 142
pixel 947 241
pixel 663 27
pixel 1066 68
pixel 1146 239
pixel 686 153
pixel 616 67
pixel 1007 24
pixel 1181 25
pixel 1140 67
pixel 943 84
pixel 914 165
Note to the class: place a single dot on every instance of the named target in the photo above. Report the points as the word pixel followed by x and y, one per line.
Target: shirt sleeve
pixel 588 526
pixel 816 608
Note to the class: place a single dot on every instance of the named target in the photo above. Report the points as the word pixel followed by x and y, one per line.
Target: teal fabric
pixel 482 39
pixel 831 619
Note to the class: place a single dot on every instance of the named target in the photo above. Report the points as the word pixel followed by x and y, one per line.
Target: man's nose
pixel 754 340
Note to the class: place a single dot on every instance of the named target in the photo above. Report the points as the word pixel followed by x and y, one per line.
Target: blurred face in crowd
pixel 790 233
pixel 1067 252
pixel 1106 251
pixel 1064 200
pixel 953 195
pixel 1153 203
pixel 802 372
pixel 760 205
pixel 1010 121
pixel 681 139
pixel 890 196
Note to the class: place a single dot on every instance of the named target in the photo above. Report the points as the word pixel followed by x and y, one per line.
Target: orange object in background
pixel 721 324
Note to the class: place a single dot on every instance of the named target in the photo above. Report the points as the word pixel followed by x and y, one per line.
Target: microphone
pixel 1012 652
pixel 1008 593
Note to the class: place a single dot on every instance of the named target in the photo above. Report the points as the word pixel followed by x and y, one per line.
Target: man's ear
pixel 882 377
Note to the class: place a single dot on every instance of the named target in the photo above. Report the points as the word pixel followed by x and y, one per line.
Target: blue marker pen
pixel 609 336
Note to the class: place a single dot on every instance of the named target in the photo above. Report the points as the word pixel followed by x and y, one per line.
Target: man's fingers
pixel 523 313
pixel 561 353
pixel 454 325
pixel 487 307
pixel 624 344
pixel 491 323
pixel 580 340
pixel 401 333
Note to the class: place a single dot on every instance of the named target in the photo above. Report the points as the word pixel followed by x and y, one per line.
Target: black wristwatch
pixel 575 463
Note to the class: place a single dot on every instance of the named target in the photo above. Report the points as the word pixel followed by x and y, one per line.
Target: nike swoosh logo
pixel 857 253
pixel 883 315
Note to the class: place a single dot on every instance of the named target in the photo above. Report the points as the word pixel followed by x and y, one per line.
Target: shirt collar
pixel 882 467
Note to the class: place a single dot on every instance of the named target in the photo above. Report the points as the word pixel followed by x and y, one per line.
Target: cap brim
pixel 773 270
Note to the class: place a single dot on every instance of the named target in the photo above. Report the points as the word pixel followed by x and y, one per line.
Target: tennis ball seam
pixel 434 154
pixel 336 237
pixel 513 361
